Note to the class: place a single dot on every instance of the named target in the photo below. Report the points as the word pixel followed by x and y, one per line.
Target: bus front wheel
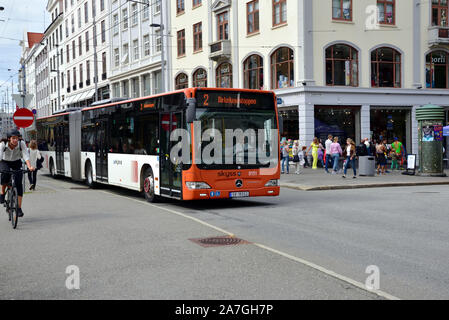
pixel 148 186
pixel 52 169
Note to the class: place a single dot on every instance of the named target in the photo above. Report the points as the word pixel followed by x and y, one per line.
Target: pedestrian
pixel 381 150
pixel 34 156
pixel 327 144
pixel 394 160
pixel 315 145
pixel 350 153
pixel 304 155
pixel 285 157
pixel 398 147
pixel 336 152
pixel 298 157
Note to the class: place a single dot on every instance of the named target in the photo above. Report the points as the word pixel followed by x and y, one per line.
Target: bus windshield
pixel 242 125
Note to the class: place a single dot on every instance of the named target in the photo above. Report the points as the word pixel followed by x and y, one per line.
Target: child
pixel 306 162
pixel 394 160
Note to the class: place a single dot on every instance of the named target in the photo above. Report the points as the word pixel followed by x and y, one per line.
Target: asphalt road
pixel 128 249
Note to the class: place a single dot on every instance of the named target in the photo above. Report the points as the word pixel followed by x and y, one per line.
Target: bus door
pixel 170 168
pixel 101 150
pixel 59 138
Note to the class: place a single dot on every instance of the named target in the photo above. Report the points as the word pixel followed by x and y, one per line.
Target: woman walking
pixel 314 146
pixel 285 157
pixel 336 152
pixel 350 157
pixel 34 155
pixel 381 150
pixel 298 157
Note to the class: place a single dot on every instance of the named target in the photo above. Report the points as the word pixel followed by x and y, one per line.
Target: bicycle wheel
pixel 6 204
pixel 14 205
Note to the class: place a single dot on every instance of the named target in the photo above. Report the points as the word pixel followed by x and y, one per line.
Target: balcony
pixel 220 49
pixel 438 35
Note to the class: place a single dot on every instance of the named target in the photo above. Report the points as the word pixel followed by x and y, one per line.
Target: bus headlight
pixel 272 183
pixel 197 185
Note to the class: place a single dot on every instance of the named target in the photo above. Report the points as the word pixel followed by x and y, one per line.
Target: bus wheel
pixel 89 176
pixel 52 169
pixel 148 186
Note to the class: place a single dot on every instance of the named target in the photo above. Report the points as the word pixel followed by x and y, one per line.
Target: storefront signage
pixel 439 60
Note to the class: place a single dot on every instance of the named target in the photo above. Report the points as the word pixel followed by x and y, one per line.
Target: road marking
pixel 312 265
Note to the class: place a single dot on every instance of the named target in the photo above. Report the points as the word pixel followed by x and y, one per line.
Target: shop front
pixel 290 119
pixel 339 121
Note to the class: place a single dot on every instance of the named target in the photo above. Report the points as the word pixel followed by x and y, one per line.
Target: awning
pixel 446 131
pixel 69 100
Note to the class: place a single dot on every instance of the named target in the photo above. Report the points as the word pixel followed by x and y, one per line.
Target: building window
pixel 181 81
pixel 88 70
pixel 157 8
pixel 196 3
pixel 385 68
pixel 180 6
pixel 181 43
pixel 116 57
pixel 94 8
pixel 342 10
pixel 94 31
pixel 342 66
pixel 101 5
pixel 134 14
pixel 66 28
pixel 253 72
pixel 116 90
pixel 87 41
pixel 224 75
pixel 86 12
pixel 125 53
pixel 81 75
pixel 223 26
pixel 73 49
pixel 125 88
pixel 437 70
pixel 200 78
pixel 197 37
pixel 279 12
pixel 125 18
pixel 158 41
pixel 62 57
pixel 136 49
pixel 146 85
pixel 386 10
pixel 252 13
pixel 103 64
pixel 135 87
pixel 74 77
pixel 439 13
pixel 115 23
pixel 146 10
pixel 68 53
pixel 103 31
pixel 146 45
pixel 282 71
pixel 80 48
pixel 73 23
pixel 79 18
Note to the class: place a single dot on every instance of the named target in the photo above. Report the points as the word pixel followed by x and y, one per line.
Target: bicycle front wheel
pixel 14 206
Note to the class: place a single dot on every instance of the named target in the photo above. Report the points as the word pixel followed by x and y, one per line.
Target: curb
pixel 361 186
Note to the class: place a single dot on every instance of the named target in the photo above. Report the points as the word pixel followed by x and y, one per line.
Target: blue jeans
pixel 348 160
pixel 335 158
pixel 285 159
pixel 328 162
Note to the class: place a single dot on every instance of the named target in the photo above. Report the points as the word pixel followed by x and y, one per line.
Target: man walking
pixel 328 153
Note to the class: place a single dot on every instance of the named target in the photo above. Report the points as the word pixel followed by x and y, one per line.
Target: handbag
pixel 39 163
pixel 296 158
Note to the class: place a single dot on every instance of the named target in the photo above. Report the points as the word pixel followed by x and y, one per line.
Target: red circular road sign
pixel 23 118
pixel 165 122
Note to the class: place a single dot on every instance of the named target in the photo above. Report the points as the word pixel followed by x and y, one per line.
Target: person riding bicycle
pixel 11 155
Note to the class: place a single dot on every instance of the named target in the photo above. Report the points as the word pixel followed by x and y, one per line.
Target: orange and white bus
pixel 162 145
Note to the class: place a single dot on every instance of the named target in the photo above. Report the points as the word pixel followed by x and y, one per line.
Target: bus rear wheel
pixel 89 176
pixel 52 169
pixel 148 186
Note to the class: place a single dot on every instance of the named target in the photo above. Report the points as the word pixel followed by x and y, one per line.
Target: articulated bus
pixel 136 144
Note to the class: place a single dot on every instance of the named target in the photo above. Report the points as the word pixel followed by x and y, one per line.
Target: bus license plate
pixel 239 194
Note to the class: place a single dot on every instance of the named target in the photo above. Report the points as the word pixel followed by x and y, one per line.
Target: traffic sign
pixel 23 118
pixel 165 122
pixel 279 101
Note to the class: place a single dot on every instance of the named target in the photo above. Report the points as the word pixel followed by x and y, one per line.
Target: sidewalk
pixel 312 180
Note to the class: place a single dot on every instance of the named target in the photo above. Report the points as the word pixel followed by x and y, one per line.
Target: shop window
pixel 386 9
pixel 282 71
pixel 342 10
pixel 437 70
pixel 181 81
pixel 390 123
pixel 253 72
pixel 385 68
pixel 342 66
pixel 290 123
pixel 224 75
pixel 439 13
pixel 200 78
pixel 338 121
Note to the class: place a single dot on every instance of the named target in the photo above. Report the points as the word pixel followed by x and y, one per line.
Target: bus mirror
pixel 281 124
pixel 191 110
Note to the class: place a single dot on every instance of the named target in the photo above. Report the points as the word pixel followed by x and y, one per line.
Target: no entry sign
pixel 23 118
pixel 165 122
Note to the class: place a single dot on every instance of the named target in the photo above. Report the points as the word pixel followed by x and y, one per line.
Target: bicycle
pixel 12 198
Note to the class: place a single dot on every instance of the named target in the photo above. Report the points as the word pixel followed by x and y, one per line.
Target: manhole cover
pixel 219 241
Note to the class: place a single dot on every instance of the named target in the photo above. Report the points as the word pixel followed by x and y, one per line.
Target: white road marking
pixel 312 265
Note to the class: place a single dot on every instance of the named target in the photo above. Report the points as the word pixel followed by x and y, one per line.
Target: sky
pixel 18 16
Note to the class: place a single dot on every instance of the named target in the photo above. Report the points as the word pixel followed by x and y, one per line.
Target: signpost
pixel 23 118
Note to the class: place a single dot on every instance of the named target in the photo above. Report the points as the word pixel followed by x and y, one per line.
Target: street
pixel 303 245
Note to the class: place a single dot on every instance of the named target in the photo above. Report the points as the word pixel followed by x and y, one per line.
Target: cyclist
pixel 11 154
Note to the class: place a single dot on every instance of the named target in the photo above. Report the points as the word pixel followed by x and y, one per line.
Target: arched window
pixel 385 68
pixel 342 66
pixel 224 75
pixel 200 78
pixel 253 72
pixel 181 81
pixel 282 72
pixel 437 70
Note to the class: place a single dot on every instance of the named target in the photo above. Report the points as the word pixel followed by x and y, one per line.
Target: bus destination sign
pixel 229 99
